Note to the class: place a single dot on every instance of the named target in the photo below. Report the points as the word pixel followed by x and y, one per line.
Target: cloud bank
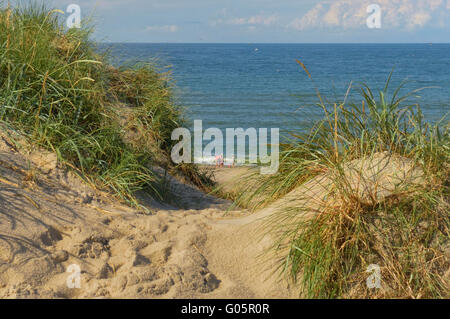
pixel 351 14
pixel 252 21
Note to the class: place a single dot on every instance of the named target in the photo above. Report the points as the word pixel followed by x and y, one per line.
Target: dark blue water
pixel 261 85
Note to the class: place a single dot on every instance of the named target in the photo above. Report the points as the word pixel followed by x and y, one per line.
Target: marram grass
pixel 64 96
pixel 406 233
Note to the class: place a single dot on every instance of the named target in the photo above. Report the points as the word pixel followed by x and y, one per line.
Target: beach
pixel 106 192
pixel 53 221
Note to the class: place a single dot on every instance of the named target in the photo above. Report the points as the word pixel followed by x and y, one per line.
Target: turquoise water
pixel 261 85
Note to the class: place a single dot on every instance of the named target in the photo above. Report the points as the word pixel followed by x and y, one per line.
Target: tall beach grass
pixel 342 220
pixel 109 125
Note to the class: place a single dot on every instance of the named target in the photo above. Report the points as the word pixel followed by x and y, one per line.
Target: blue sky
pixel 261 21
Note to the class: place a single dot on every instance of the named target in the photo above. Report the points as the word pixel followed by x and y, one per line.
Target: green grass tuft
pixel 109 125
pixel 329 238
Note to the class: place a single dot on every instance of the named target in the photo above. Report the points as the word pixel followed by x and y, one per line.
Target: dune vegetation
pixel 109 125
pixel 372 189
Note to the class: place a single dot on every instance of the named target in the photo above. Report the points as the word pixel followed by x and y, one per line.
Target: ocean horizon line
pixel 280 43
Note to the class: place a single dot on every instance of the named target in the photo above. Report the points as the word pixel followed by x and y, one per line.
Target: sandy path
pixel 49 220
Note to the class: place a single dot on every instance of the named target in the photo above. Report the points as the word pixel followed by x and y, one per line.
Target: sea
pixel 263 85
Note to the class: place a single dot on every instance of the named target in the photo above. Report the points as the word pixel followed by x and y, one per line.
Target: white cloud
pixel 351 14
pixel 419 19
pixel 161 28
pixel 312 17
pixel 257 20
pixel 333 15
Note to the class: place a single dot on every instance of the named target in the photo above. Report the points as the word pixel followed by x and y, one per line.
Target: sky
pixel 266 21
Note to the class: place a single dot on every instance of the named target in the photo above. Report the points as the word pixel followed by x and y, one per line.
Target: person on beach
pixel 219 160
pixel 217 157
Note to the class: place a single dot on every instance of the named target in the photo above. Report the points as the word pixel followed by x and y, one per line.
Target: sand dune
pixel 50 220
